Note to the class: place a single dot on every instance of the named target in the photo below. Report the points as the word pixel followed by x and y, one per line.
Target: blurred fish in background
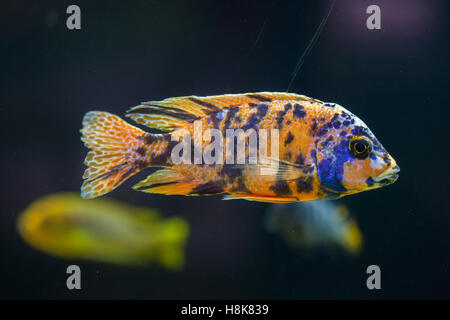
pixel 67 226
pixel 315 225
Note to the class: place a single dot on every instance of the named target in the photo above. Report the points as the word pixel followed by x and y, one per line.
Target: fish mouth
pixel 387 177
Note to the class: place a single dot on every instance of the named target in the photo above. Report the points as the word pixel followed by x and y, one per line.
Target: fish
pixel 323 150
pixel 66 226
pixel 315 225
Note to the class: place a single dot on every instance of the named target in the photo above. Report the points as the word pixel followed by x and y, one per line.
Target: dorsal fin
pixel 173 113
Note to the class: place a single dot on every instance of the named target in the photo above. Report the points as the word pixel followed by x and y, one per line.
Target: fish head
pixel 349 157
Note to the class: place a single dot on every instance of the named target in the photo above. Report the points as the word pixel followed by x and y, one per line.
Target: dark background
pixel 395 79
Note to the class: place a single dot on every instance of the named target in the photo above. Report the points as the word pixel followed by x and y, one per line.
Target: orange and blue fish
pixel 324 151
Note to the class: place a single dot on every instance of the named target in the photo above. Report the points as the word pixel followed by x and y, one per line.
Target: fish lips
pixel 387 177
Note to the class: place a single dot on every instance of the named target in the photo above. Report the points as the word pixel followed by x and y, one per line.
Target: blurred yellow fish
pixel 316 224
pixel 67 226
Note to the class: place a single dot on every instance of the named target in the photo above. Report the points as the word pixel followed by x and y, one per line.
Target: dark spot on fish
pixel 252 105
pixel 141 151
pixel 323 129
pixel 298 111
pixel 281 188
pixel 289 138
pixel 329 105
pixel 373 156
pixel 334 117
pixel 215 118
pixel 240 185
pixel 207 188
pixel 289 122
pixel 300 159
pixel 208 105
pixel 327 141
pixel 314 128
pixel 262 110
pixel 304 184
pixel 149 138
pixel 163 158
pixel 288 155
pixel 259 97
pixel 386 159
pixel 370 182
pixel 337 124
pixel 282 113
pixel 230 116
pixel 346 115
pixel 308 169
pixel 141 164
pixel 343 134
pixel 346 123
pixel 359 131
pixel 231 171
pixel 256 117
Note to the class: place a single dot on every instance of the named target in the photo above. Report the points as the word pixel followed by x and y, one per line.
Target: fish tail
pixel 115 152
pixel 174 235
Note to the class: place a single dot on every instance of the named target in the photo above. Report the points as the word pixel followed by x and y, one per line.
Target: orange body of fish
pixel 323 150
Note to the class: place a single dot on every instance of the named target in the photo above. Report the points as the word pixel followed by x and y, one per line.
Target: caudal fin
pixel 113 155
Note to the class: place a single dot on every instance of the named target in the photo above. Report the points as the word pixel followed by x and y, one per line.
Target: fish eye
pixel 360 147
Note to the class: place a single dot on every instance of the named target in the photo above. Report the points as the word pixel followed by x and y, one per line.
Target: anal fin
pixel 260 198
pixel 172 182
pixel 166 181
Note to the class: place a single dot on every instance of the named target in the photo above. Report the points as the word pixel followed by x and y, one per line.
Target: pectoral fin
pixel 276 169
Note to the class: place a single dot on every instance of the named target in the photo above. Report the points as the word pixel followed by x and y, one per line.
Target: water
pixel 395 79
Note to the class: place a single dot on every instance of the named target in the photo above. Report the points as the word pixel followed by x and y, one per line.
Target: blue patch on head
pixel 331 169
